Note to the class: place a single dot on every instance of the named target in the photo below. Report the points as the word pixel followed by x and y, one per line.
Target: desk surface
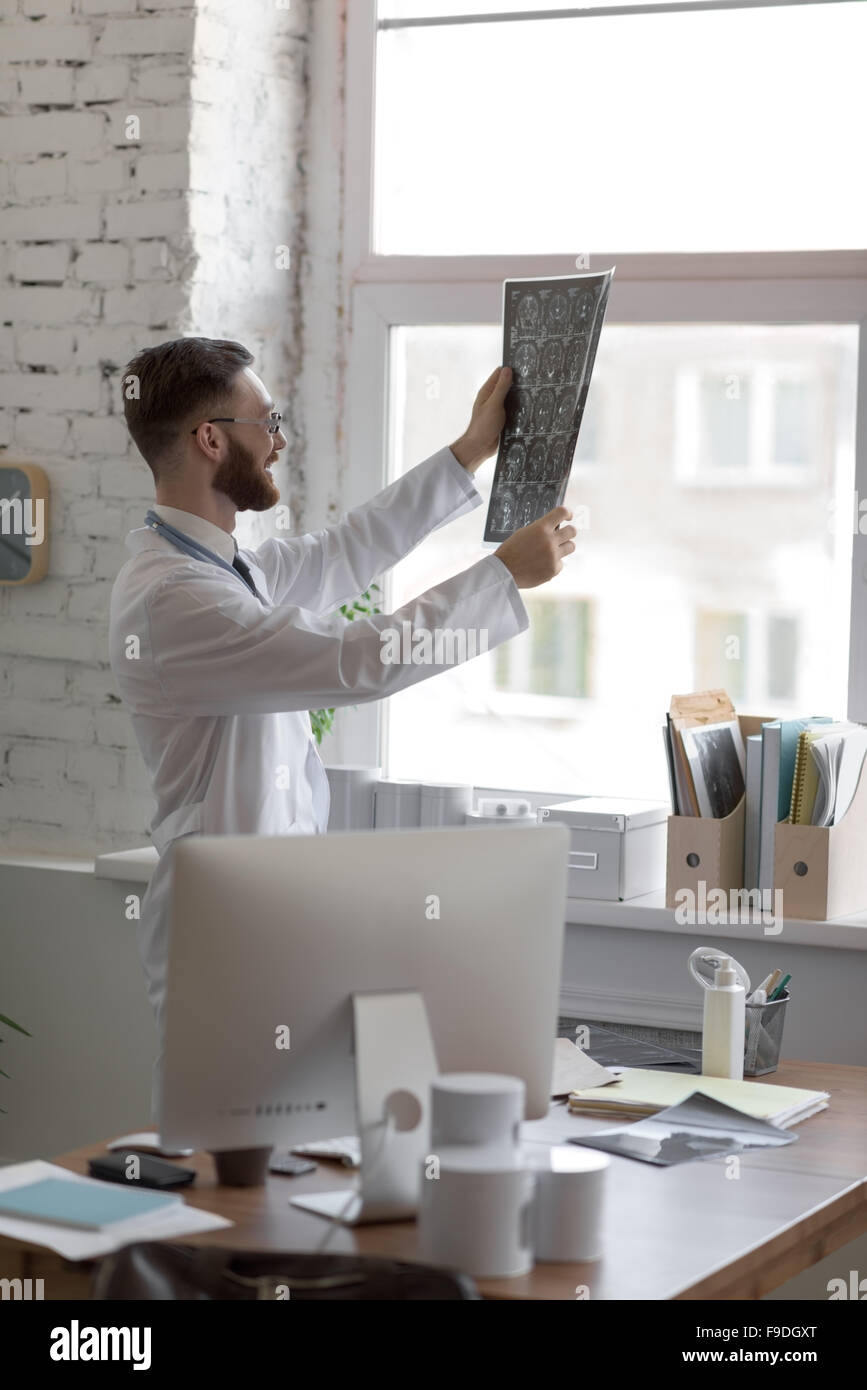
pixel 689 1231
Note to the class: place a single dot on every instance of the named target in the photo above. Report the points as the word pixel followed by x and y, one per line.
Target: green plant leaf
pixel 10 1023
pixel 322 720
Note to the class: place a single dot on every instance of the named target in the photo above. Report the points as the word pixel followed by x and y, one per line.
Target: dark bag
pixel 152 1270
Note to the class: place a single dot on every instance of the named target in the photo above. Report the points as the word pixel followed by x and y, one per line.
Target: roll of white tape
pixel 476 1108
pixel 569 1203
pixel 475 1212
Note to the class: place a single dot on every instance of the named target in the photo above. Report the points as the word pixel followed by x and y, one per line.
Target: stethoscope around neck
pixel 190 547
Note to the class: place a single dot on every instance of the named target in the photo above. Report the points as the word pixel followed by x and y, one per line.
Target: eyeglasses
pixel 272 424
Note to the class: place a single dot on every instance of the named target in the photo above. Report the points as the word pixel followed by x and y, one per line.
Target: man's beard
pixel 244 481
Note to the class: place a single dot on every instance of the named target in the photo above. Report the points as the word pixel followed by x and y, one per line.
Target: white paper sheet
pixel 573 1069
pixel 85 1245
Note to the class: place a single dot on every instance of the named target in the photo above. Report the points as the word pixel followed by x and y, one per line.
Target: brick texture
pixel 153 161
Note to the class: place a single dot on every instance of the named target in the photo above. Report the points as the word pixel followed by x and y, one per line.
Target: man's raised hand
pixel 482 434
pixel 535 554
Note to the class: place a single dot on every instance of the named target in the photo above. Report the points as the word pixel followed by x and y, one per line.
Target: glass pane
pixel 725 422
pixel 726 130
pixel 793 422
pixel 551 658
pixel 782 657
pixel 722 654
pixel 577 703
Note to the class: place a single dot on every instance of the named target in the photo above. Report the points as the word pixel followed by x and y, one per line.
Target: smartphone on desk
pixel 152 1172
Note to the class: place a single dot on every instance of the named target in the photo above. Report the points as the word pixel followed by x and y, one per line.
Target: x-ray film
pixel 551 331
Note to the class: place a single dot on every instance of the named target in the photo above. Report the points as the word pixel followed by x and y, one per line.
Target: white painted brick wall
pixel 112 239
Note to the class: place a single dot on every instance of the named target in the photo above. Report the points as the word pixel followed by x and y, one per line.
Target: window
pixel 754 657
pixel 716 465
pixel 629 133
pixel 553 658
pixel 722 651
pixel 763 416
pixel 794 423
pixel 652 552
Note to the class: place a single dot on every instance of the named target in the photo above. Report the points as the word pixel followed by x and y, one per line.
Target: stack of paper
pixel 640 1093
pixel 705 754
pixel 827 769
pixel 96 1218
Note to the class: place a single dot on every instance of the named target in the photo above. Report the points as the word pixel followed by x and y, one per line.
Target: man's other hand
pixel 482 434
pixel 535 554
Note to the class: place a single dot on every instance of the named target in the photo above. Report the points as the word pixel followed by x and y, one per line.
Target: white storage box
pixel 618 845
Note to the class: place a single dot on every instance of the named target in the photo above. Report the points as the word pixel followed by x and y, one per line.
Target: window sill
pixel 646 913
pixel 129 865
pixel 649 913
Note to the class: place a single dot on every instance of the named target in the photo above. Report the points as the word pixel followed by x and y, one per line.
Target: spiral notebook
pixel 827 768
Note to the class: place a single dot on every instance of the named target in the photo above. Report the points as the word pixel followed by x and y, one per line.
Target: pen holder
pixel 702 849
pixel 764 1035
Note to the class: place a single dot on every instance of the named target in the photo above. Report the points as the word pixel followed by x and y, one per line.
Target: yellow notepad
pixel 805 783
pixel 643 1092
pixel 806 780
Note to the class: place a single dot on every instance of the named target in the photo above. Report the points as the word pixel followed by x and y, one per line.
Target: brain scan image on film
pixel 558 313
pixel 556 466
pixel 536 462
pixel 504 510
pixel 574 358
pixel 525 361
pixel 582 309
pixel 515 462
pixel 519 411
pixel 566 403
pixel 528 314
pixel 548 499
pixel 526 509
pixel 544 410
pixel 552 360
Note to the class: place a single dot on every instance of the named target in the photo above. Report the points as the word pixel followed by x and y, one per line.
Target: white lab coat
pixel 218 684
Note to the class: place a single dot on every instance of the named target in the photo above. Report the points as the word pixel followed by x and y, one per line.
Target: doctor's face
pixel 245 473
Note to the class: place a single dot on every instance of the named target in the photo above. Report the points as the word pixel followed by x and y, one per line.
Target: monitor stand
pixel 395 1064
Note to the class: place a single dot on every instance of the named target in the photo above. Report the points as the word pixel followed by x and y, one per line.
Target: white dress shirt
pixel 219 682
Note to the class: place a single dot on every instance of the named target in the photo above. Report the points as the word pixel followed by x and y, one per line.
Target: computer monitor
pixel 271 938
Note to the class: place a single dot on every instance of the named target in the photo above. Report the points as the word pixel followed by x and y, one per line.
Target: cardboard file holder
pixel 702 849
pixel 822 870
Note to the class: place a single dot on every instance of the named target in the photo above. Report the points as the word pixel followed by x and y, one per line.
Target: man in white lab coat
pixel 220 653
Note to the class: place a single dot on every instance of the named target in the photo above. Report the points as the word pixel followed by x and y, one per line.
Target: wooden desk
pixel 688 1232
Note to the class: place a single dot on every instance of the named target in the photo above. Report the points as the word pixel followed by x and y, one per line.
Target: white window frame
pixel 390 291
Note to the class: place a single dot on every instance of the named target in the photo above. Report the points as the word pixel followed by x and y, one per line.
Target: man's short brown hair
pixel 164 387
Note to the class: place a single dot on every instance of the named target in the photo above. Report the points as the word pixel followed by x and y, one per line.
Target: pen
pixel 779 988
pixel 765 988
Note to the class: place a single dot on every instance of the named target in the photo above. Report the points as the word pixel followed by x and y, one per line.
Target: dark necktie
pixel 244 570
